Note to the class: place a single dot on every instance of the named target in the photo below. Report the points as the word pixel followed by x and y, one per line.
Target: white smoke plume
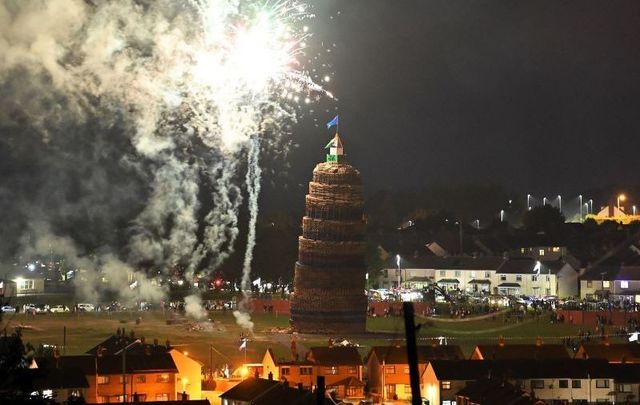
pixel 193 307
pixel 253 188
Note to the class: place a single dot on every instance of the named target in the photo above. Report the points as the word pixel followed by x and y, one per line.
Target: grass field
pixel 85 330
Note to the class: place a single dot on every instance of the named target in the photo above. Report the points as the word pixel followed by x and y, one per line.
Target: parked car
pixel 58 308
pixel 86 307
pixel 7 308
pixel 41 309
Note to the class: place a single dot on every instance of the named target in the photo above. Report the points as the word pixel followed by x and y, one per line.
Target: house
pixel 62 383
pixel 492 391
pixel 531 277
pixel 27 282
pixel 613 353
pixel 341 366
pixel 189 377
pixel 388 367
pixel 627 380
pixel 618 281
pixel 259 391
pixel 519 352
pixel 579 381
pixel 8 290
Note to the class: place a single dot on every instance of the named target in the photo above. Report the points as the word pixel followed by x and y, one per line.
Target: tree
pixel 546 219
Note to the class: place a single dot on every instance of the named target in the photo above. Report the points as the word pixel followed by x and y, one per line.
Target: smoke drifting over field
pixel 122 125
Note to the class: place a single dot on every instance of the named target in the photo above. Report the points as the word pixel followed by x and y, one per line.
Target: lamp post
pixel 399 274
pixel 124 368
pixel 528 202
pixel 621 197
pixel 633 209
pixel 591 207
pixel 544 201
pixel 501 215
pixel 560 203
pixel 580 199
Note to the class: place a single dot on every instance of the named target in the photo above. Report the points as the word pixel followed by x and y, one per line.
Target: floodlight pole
pixel 124 368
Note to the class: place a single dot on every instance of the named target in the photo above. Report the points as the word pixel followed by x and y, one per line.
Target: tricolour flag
pixel 243 346
pixel 333 122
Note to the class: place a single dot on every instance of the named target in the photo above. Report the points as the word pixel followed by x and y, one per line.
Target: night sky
pixel 536 96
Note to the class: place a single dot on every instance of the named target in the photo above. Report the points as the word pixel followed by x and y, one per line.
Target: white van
pixel 86 307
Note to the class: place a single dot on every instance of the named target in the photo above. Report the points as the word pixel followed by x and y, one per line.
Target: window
pixel 555 249
pixel 26 285
pixel 624 284
pixel 103 379
pixel 548 277
pixel 331 370
pixel 162 397
pixel 141 378
pixel 487 274
pixel 407 388
pixel 503 277
pixel 534 277
pixel 473 274
pixel 576 384
pixel 605 284
pixel 161 378
pixel 521 250
pixel 285 371
pixel 306 370
pixel 446 385
pixel 352 370
pixel 389 369
pixel 563 384
pixel 537 384
pixel 541 252
pixel 624 388
pixel 458 273
pixel 443 273
pixel 589 284
pixel 406 369
pixel 353 391
pixel 602 383
pixel 519 277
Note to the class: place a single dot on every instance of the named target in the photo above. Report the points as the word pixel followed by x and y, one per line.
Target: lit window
pixel 306 371
pixel 473 274
pixel 406 369
pixel 162 397
pixel 602 383
pixel 624 388
pixel 556 249
pixel 624 284
pixel 352 370
pixel 589 284
pixel 446 385
pixel 389 369
pixel 285 371
pixel 141 378
pixel 162 378
pixel 331 370
pixel 407 388
pixel 521 250
pixel 541 252
pixel 605 284
pixel 103 379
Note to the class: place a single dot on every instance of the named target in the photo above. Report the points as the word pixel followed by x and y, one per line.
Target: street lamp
pixel 399 275
pixel 124 368
pixel 528 202
pixel 560 203
pixel 544 201
pixel 580 199
pixel 501 215
pixel 591 207
pixel 633 209
pixel 622 198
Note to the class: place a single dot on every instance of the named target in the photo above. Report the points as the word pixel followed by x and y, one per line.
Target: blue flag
pixel 333 122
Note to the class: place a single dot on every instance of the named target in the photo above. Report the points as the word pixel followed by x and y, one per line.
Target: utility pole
pixel 412 352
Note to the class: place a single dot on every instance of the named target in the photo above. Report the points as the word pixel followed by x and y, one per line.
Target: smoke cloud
pixel 116 115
